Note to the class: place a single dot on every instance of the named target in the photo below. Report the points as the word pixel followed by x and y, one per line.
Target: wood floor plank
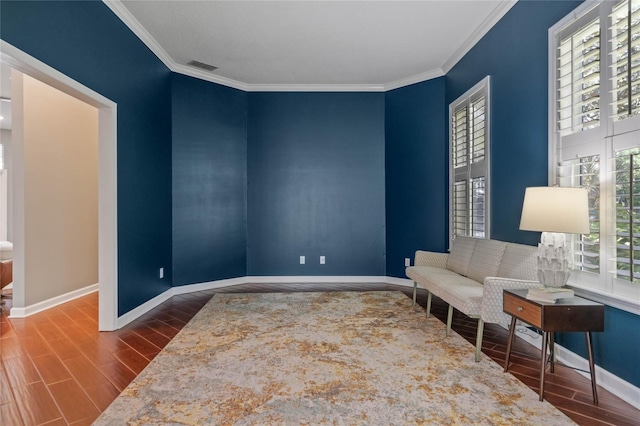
pixel 35 404
pixel 85 373
pixel 10 415
pixel 95 372
pixel 132 359
pixel 156 338
pixel 21 371
pixel 102 395
pixel 35 345
pixel 10 347
pixel 51 369
pixel 6 395
pixel 118 374
pixel 139 343
pixel 64 348
pixel 6 330
pixel 50 331
pixel 77 335
pixel 73 402
pixel 97 353
pixel 111 342
pixel 590 410
pixel 23 328
pixel 84 422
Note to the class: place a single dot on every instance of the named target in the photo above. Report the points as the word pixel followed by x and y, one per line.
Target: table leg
pixel 512 329
pixel 552 355
pixel 592 369
pixel 543 361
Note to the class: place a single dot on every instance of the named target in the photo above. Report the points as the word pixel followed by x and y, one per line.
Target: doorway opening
pixel 106 197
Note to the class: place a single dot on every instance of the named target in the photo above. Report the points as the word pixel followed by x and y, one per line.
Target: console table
pixel 570 314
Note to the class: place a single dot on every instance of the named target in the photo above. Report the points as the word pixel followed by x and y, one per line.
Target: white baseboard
pixel 144 308
pixel 607 380
pixel 50 303
pixel 315 279
pixel 190 288
pixel 614 384
pixel 399 281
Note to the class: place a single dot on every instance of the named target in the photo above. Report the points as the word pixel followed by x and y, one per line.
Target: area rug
pixel 323 358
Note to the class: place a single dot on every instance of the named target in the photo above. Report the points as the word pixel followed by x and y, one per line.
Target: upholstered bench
pixel 472 276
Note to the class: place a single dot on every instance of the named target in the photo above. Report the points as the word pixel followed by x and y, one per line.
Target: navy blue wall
pixel 514 53
pixel 316 183
pixel 416 172
pixel 617 349
pixel 87 42
pixel 315 162
pixel 209 181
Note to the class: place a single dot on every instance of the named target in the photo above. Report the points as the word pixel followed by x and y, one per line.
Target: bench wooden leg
pixel 449 318
pixel 428 304
pixel 479 339
pixel 415 291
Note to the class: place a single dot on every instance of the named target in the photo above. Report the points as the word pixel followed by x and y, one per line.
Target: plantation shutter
pixel 578 79
pixel 478 167
pixel 460 150
pixel 584 172
pixel 460 208
pixel 625 55
pixel 627 220
pixel 596 137
pixel 469 152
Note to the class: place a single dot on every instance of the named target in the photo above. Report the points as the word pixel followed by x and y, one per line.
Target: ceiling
pixel 308 45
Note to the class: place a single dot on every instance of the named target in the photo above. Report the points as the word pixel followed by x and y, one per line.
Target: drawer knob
pixel 520 308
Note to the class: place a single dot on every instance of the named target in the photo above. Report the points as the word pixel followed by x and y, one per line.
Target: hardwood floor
pixel 57 369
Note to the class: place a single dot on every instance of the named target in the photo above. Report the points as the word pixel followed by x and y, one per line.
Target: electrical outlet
pixel 322 260
pixel 407 261
pixel 161 273
pixel 302 260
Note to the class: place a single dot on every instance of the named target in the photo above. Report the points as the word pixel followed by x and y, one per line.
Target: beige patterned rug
pixel 323 358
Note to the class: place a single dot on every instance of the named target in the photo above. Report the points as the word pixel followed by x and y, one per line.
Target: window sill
pixel 620 302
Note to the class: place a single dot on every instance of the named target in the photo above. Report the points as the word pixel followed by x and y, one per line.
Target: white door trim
pixel 107 182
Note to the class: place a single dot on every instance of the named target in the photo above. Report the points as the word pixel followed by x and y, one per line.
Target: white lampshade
pixel 555 209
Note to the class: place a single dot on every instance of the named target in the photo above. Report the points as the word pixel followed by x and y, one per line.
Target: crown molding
pixel 418 78
pixel 316 88
pixel 204 75
pixel 501 9
pixel 136 27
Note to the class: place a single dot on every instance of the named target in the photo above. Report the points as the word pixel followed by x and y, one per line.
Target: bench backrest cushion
pixel 460 255
pixel 519 262
pixel 486 258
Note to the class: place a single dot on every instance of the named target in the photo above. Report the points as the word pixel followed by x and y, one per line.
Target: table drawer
pixel 523 310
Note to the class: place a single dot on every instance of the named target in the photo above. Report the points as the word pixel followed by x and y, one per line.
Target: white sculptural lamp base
pixel 553 270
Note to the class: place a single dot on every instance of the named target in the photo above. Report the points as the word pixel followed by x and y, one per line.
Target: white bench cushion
pixel 485 260
pixel 519 262
pixel 462 293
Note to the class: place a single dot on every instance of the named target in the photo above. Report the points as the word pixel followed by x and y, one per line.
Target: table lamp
pixel 555 211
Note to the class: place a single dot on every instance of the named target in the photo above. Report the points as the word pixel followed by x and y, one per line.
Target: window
pixel 594 139
pixel 469 163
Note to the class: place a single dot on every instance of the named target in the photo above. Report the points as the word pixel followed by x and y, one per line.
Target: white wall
pixel 55 157
pixel 5 141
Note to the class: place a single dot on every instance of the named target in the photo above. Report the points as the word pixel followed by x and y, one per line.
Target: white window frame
pixel 610 136
pixel 474 170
